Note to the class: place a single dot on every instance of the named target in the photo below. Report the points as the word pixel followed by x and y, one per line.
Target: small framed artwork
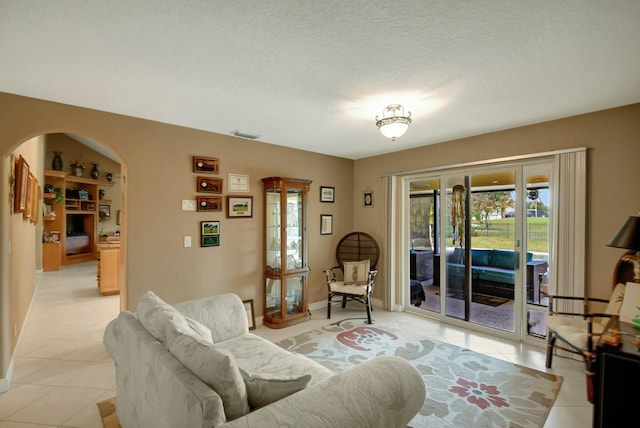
pixel 22 177
pixel 251 315
pixel 36 200
pixel 327 194
pixel 209 203
pixel 209 233
pixel 239 206
pixel 28 199
pixel 209 185
pixel 367 199
pixel 326 224
pixel 204 164
pixel 104 210
pixel 238 183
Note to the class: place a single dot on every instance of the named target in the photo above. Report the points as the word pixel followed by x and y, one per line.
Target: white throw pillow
pixel 356 273
pixel 154 314
pixel 266 389
pixel 215 366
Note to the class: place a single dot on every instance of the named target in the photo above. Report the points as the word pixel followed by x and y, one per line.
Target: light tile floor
pixel 62 369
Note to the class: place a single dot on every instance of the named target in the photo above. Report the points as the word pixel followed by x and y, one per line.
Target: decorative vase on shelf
pixel 94 172
pixel 57 163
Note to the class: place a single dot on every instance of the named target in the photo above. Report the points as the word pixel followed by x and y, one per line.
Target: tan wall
pixel 613 140
pixel 158 158
pixel 25 244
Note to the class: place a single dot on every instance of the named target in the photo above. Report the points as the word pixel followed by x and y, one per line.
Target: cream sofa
pixel 195 364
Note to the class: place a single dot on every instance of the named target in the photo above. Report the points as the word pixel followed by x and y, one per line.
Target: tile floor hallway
pixel 62 369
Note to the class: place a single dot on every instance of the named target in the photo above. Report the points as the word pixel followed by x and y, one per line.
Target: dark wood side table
pixel 616 379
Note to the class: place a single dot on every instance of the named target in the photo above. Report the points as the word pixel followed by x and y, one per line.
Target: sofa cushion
pixel 480 257
pixel 154 314
pixel 216 367
pixel 257 355
pixel 266 389
pixel 504 259
pixel 356 273
pixel 502 276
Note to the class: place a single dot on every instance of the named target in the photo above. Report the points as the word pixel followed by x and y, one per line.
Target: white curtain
pixel 571 210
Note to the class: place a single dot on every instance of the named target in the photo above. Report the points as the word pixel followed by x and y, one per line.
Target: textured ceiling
pixel 314 74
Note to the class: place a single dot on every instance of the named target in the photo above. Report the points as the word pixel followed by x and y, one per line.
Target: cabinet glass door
pixel 294 230
pixel 273 236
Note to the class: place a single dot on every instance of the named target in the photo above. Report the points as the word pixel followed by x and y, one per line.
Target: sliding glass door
pixel 479 247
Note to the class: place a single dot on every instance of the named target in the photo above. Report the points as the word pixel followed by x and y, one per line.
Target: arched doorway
pixel 23 242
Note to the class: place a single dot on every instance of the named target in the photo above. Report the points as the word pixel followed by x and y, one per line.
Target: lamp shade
pixel 394 122
pixel 628 236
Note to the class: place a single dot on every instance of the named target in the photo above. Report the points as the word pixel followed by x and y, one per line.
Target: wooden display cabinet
pixel 75 221
pixel 286 267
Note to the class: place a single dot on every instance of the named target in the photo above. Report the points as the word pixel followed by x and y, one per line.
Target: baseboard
pixel 5 382
pixel 323 304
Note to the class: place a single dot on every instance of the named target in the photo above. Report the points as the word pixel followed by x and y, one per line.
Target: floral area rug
pixel 464 388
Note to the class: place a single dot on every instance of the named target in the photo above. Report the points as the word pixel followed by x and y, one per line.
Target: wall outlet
pixel 187 241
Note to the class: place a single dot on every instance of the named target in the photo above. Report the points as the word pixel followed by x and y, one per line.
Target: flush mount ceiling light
pixel 393 124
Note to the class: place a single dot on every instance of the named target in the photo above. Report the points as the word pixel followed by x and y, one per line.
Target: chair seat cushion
pixel 340 287
pixel 572 329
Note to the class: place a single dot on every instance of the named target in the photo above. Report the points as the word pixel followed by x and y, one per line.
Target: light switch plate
pixel 188 205
pixel 187 241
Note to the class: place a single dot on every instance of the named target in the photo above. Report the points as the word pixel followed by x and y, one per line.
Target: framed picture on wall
pixel 326 224
pixel 209 185
pixel 327 194
pixel 251 315
pixel 209 233
pixel 22 177
pixel 239 206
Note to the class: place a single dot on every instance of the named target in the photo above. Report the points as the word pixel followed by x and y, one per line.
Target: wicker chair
pixel 358 252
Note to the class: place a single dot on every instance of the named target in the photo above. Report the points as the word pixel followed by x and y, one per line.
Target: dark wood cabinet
pixel 616 374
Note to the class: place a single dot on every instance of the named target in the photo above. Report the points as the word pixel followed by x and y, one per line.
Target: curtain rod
pixel 485 162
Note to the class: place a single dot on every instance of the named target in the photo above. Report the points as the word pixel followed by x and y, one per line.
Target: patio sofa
pixel 195 364
pixel 493 272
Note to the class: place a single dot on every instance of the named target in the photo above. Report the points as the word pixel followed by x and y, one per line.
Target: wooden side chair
pixel 353 278
pixel 575 332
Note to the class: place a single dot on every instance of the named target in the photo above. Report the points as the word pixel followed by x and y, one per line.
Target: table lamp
pixel 628 237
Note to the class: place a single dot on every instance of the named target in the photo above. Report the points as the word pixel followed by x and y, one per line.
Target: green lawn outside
pixel 500 234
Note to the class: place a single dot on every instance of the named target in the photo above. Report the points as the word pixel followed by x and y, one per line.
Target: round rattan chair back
pixel 357 246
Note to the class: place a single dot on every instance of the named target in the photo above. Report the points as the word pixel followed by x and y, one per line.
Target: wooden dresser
pixel 109 265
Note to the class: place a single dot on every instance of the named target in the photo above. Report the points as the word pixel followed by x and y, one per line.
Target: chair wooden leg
pixel 550 345
pixel 368 303
pixel 344 302
pixel 329 307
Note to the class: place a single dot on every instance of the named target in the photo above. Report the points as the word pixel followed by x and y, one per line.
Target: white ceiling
pixel 314 74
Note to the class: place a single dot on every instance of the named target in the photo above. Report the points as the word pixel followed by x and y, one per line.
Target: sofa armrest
pixel 224 314
pixel 385 391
